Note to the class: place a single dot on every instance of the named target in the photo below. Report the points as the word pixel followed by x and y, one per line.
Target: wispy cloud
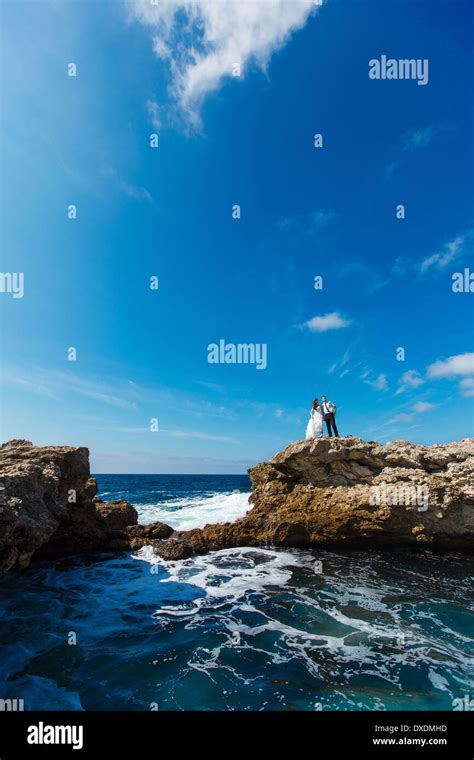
pixel 125 429
pixel 325 322
pixel 319 218
pixel 173 433
pixel 200 436
pixel 413 139
pixel 308 223
pixel 399 266
pixel 389 436
pixel 466 386
pixel 401 417
pixel 153 111
pixel 419 138
pixel 102 396
pixel 202 40
pixel 423 406
pixel 372 279
pixel 458 366
pixel 56 384
pixel 395 425
pixel 216 387
pixel 409 379
pixel 449 253
pixel 340 364
pixel 391 168
pixel 136 192
pixel 380 383
pixel 419 408
pixel 12 378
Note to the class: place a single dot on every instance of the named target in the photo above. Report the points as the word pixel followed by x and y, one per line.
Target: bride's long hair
pixel 315 404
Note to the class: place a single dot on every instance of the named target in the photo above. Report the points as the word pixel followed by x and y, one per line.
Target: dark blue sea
pixel 240 629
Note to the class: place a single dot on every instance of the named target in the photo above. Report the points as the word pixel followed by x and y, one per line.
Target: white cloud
pixel 325 322
pixel 450 252
pixel 409 379
pixel 154 114
pixel 423 406
pixel 203 39
pixel 418 408
pixel 319 218
pixel 466 386
pixel 461 364
pixel 419 138
pixel 380 383
pixel 402 417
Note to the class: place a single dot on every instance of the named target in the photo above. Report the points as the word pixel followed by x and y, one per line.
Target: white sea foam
pixel 345 629
pixel 230 574
pixel 235 579
pixel 188 513
pixel 228 577
pixel 350 619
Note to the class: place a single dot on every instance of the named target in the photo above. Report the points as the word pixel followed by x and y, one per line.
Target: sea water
pixel 238 629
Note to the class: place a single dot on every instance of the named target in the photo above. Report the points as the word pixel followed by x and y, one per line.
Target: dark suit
pixel 330 421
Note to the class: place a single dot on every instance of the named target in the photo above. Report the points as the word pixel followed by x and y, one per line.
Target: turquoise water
pixel 248 629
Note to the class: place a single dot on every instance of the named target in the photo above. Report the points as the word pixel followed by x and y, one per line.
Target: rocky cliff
pixel 49 507
pixel 353 493
pixel 330 492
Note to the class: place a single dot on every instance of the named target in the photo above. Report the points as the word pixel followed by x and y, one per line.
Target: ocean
pixel 239 629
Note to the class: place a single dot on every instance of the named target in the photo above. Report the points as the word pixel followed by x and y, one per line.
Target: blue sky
pixel 167 212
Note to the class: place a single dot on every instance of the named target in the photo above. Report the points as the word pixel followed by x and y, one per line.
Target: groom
pixel 329 413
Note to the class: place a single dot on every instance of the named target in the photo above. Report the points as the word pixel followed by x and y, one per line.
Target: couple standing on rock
pixel 326 411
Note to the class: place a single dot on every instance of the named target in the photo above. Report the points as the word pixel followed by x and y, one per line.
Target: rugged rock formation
pixel 330 492
pixel 49 507
pixel 349 492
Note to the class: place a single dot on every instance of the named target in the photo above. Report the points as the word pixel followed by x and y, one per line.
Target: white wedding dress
pixel 314 428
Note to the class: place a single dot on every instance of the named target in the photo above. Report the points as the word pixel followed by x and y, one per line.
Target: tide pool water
pixel 238 629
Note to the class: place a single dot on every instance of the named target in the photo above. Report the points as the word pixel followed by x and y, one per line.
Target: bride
pixel 314 428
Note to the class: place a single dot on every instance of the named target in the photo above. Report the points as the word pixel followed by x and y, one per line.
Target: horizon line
pixel 214 474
